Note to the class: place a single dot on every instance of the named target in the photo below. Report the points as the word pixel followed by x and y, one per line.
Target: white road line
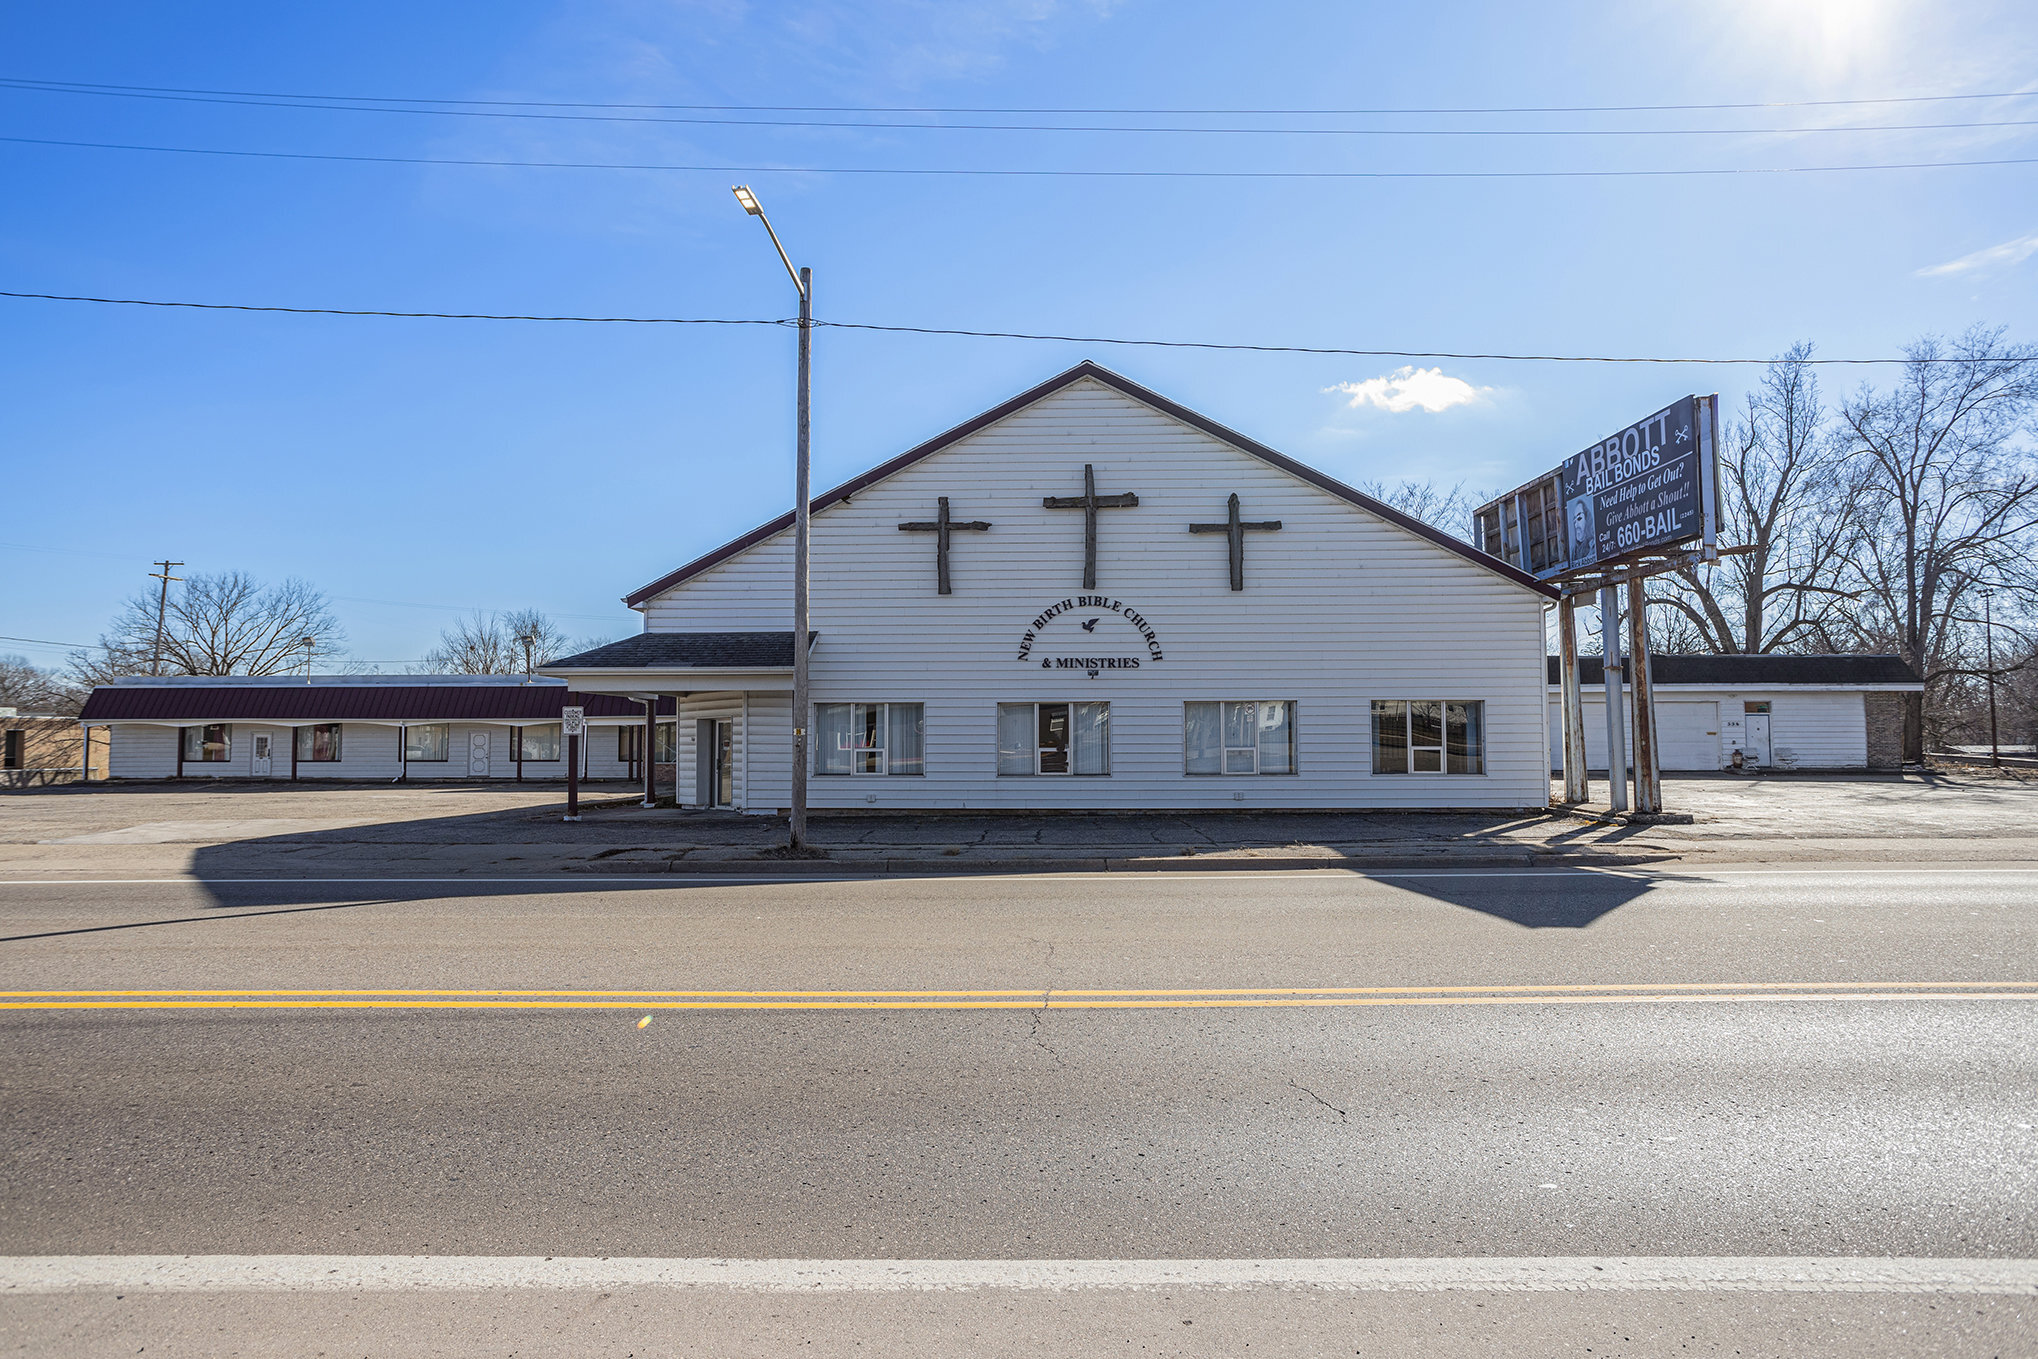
pixel 45 1274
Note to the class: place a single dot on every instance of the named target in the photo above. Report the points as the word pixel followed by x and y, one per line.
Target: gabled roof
pixel 1752 672
pixel 689 651
pixel 506 700
pixel 1087 369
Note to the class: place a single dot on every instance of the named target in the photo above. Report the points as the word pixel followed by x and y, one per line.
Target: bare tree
pixel 29 688
pixel 499 644
pixel 1945 489
pixel 1449 510
pixel 1779 500
pixel 224 624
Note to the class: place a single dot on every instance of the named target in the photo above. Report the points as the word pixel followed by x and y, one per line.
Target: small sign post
pixel 572 721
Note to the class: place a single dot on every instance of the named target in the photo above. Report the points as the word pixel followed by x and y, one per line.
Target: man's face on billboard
pixel 1579 526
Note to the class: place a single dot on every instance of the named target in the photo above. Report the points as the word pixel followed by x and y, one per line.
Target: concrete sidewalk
pixel 420 830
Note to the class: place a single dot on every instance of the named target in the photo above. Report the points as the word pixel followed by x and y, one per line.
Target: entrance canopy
pixel 683 662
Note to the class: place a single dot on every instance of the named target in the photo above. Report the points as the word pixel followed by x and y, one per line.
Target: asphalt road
pixel 1721 1119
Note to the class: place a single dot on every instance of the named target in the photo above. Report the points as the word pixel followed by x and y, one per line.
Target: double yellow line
pixel 1291 997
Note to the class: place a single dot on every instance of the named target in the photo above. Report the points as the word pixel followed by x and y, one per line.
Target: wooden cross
pixel 941 526
pixel 1234 530
pixel 1089 502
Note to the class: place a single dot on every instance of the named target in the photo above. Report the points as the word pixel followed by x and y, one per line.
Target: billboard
pixel 1650 485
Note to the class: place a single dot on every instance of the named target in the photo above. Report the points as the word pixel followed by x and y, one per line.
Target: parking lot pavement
pixel 143 829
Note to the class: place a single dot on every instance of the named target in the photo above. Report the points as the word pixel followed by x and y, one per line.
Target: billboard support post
pixel 1576 786
pixel 1616 718
pixel 1648 775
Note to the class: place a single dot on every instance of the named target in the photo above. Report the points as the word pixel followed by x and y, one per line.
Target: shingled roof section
pixel 1087 369
pixel 1756 672
pixel 689 651
pixel 506 701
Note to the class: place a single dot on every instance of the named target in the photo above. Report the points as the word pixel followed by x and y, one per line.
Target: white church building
pixel 1093 598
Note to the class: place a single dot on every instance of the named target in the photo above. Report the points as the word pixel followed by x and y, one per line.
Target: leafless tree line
pixel 510 643
pixel 227 623
pixel 1877 522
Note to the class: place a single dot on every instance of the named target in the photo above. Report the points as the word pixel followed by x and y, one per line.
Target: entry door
pixel 477 753
pixel 1757 736
pixel 725 764
pixel 263 759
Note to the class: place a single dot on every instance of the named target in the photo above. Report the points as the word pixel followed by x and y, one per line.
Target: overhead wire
pixel 1003 172
pixel 952 331
pixel 360 107
pixel 89 86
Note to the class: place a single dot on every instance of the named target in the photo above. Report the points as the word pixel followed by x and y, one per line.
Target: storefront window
pixel 319 744
pixel 1054 738
pixel 1429 736
pixel 208 745
pixel 1238 737
pixel 870 738
pixel 540 742
pixel 426 743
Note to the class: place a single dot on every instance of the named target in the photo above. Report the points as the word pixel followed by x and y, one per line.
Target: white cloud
pixel 1995 256
pixel 1406 389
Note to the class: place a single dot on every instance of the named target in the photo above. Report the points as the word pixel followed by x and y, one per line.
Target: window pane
pixel 1425 723
pixel 1015 738
pixel 325 741
pixel 832 738
pixel 1053 733
pixel 541 742
pixel 1201 745
pixel 1427 761
pixel 906 738
pixel 1277 738
pixel 1093 738
pixel 1465 727
pixel 1390 736
pixel 1239 761
pixel 627 740
pixel 426 742
pixel 208 745
pixel 1241 724
pixel 668 743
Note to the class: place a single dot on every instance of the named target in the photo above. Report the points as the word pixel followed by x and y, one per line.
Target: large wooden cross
pixel 941 526
pixel 1234 530
pixel 1089 502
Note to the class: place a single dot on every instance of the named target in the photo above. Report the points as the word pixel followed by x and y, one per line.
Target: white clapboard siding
pixel 136 750
pixel 1808 729
pixel 1340 607
pixel 718 707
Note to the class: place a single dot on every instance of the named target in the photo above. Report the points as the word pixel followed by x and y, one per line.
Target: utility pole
pixel 803 280
pixel 1988 627
pixel 162 607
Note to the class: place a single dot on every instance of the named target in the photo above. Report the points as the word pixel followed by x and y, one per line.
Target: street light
pixel 803 279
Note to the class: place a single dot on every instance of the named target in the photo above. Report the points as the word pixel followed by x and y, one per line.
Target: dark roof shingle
pixel 1751 671
pixel 688 651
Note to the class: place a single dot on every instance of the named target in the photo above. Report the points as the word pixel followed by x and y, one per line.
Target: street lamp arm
pixel 783 257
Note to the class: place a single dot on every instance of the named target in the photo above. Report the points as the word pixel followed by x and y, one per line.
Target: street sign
pixel 573 721
pixel 1653 485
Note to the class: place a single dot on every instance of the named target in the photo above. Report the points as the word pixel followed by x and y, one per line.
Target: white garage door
pixel 1689 733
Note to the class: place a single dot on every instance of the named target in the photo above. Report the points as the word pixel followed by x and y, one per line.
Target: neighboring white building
pixel 1091 631
pixel 1780 712
pixel 382 727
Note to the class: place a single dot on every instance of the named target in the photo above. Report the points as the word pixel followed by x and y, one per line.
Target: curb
pixel 1172 864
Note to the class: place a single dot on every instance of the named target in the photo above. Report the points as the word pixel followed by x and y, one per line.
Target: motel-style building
pixel 1094 598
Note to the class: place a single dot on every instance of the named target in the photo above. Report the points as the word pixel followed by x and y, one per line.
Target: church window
pixel 870 738
pixel 1054 738
pixel 1238 737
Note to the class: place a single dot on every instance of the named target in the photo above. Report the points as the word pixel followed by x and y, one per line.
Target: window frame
pixel 1071 704
pixel 1225 751
pixel 304 743
pixel 225 743
pixel 1473 713
pixel 517 755
pixel 883 749
pixel 445 744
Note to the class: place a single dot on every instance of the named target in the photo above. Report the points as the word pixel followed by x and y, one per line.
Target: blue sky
pixel 415 468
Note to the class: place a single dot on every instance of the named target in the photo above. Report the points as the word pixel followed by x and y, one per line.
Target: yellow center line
pixel 1029 994
pixel 1035 1001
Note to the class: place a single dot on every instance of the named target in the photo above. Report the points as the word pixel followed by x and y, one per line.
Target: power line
pixel 991 172
pixel 702 121
pixel 950 331
pixel 89 87
pixel 44 641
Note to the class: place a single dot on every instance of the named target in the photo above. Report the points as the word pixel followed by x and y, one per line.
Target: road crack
pixel 1342 1116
